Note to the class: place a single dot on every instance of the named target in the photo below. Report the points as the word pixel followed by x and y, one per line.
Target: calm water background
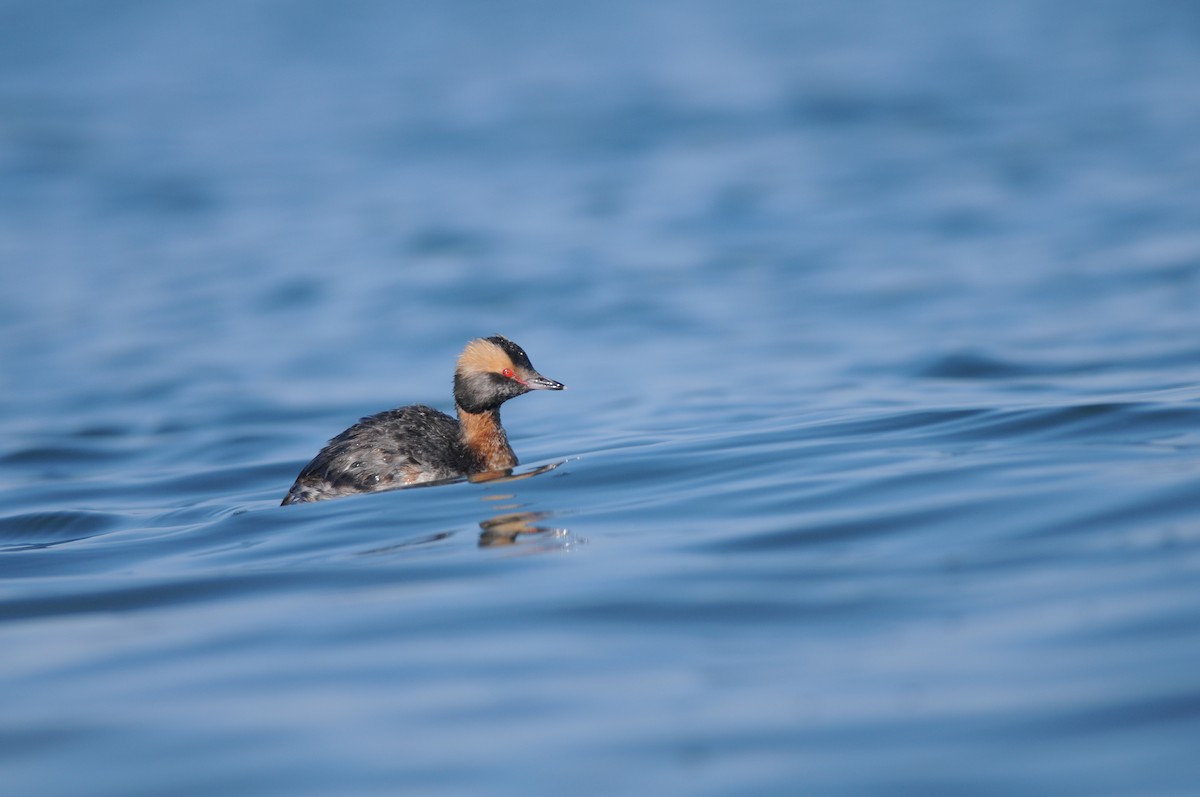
pixel 880 467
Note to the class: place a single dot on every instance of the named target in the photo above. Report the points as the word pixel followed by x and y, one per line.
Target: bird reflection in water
pixel 510 526
pixel 507 527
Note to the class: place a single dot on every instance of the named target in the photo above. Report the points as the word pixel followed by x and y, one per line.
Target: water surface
pixel 879 470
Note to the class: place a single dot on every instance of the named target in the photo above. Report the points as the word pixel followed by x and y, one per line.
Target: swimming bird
pixel 417 444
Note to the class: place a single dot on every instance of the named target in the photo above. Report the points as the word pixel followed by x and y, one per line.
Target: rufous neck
pixel 482 433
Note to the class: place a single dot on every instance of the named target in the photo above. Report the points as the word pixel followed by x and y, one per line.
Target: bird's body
pixel 418 444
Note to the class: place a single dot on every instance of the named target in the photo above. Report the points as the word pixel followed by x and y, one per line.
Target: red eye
pixel 507 372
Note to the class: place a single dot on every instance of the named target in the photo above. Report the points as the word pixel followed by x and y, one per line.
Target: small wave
pixel 1112 422
pixel 59 454
pixel 1095 421
pixel 976 365
pixel 45 529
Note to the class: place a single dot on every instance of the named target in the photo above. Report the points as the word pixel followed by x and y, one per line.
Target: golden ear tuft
pixel 482 355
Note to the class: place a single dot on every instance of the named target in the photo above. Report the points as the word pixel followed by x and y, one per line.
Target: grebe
pixel 416 444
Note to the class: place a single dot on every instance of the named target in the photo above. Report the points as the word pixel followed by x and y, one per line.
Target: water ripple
pixel 47 529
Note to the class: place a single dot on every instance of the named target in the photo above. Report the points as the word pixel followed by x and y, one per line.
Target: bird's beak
pixel 539 382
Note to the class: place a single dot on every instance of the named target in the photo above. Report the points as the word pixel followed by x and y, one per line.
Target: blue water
pixel 879 470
